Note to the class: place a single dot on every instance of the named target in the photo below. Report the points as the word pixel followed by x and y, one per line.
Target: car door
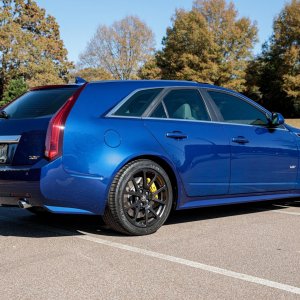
pixel 199 149
pixel 263 159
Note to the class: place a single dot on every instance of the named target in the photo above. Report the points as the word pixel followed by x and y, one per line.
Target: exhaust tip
pixel 24 203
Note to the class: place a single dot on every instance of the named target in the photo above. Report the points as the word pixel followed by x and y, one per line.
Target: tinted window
pixel 38 103
pixel 186 104
pixel 136 105
pixel 159 112
pixel 236 110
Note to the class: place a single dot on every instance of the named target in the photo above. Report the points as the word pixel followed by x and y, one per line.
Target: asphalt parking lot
pixel 235 252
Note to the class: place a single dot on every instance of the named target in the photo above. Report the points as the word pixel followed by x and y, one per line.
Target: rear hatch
pixel 24 123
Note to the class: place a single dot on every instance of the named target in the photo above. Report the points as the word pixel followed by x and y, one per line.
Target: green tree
pixel 208 44
pixel 15 88
pixel 30 45
pixel 120 49
pixel 274 76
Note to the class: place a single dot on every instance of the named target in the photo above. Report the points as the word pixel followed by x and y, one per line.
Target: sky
pixel 79 19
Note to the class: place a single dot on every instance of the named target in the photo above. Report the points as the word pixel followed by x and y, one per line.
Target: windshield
pixel 38 103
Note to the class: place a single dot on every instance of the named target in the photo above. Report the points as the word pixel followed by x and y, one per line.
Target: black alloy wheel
pixel 140 198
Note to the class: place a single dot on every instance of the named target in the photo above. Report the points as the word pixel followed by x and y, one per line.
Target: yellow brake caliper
pixel 153 188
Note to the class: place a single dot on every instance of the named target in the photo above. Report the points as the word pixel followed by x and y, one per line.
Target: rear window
pixel 39 103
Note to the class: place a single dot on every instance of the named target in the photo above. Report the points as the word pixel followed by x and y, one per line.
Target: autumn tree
pixel 119 49
pixel 150 70
pixel 91 74
pixel 30 46
pixel 208 44
pixel 274 76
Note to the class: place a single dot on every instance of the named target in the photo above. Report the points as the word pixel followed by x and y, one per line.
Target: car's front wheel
pixel 140 198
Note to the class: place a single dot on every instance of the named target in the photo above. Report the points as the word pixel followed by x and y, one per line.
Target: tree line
pixel 209 43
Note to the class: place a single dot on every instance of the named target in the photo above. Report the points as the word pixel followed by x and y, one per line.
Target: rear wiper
pixel 4 115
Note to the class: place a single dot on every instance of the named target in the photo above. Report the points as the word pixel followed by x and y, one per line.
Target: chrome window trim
pixel 10 139
pixel 249 125
pixel 180 120
pixel 122 117
pixel 212 122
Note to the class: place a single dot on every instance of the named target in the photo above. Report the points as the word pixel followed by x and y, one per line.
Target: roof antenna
pixel 79 80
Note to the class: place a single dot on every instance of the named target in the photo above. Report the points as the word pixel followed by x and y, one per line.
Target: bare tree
pixel 120 49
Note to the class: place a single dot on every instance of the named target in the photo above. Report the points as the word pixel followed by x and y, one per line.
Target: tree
pixel 92 74
pixel 208 44
pixel 15 88
pixel 30 45
pixel 275 73
pixel 120 49
pixel 150 70
pixel 286 45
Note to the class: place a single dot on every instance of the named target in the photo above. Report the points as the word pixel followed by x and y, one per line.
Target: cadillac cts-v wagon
pixel 131 151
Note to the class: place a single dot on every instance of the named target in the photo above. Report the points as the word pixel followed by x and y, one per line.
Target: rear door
pixel 263 159
pixel 24 123
pixel 181 123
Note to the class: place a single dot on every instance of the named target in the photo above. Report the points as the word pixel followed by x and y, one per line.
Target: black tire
pixel 140 198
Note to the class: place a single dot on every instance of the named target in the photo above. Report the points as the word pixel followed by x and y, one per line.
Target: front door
pixel 263 159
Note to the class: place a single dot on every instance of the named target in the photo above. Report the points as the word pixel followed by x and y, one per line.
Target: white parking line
pixel 193 264
pixel 170 258
pixel 279 211
pixel 283 211
pixel 280 205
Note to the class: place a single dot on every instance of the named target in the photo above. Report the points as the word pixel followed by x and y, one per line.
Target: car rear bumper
pixel 18 183
pixel 48 185
pixel 15 191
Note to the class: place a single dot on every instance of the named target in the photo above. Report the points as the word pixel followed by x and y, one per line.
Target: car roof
pixel 139 84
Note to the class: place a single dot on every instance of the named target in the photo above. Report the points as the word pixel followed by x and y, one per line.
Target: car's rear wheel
pixel 140 198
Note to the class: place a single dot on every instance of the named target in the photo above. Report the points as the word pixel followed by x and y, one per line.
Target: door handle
pixel 177 135
pixel 240 140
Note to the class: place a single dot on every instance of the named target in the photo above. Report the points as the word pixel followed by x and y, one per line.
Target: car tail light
pixel 55 132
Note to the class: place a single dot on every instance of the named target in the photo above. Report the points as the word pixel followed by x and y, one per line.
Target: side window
pixel 136 105
pixel 236 110
pixel 185 104
pixel 159 112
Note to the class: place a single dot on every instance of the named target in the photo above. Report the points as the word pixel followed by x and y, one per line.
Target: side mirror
pixel 275 119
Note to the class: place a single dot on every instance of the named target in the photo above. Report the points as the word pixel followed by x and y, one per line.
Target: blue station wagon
pixel 131 151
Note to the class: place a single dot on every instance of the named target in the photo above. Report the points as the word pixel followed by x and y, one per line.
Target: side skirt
pixel 205 202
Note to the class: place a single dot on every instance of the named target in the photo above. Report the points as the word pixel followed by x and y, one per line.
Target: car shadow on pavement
pixel 17 222
pixel 213 212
